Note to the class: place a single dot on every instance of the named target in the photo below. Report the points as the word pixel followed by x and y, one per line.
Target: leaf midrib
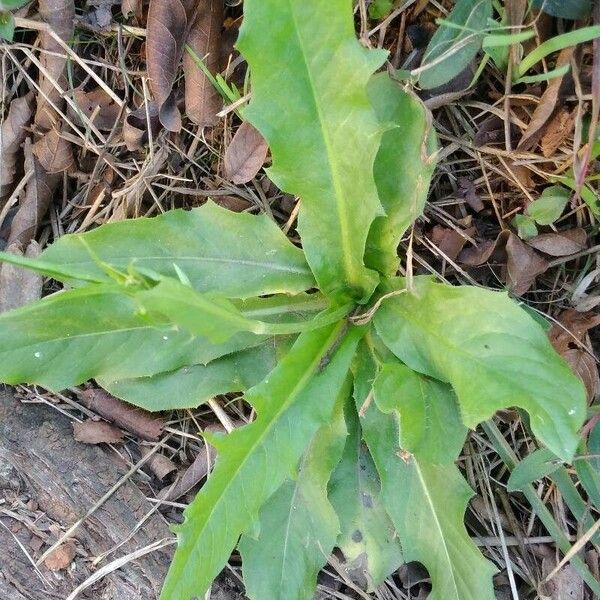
pixel 335 176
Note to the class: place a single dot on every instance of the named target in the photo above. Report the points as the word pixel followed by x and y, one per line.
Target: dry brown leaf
pixel 245 155
pixel 571 329
pixel 468 191
pixel 53 152
pixel 167 30
pixel 60 16
pixel 133 7
pixel 523 265
pixel 484 251
pixel 39 192
pixel 232 203
pixel 448 241
pixel 61 558
pixel 98 107
pixel 97 432
pixel 19 287
pixel 135 128
pixel 159 464
pixel 136 420
pixel 565 585
pixel 202 100
pixel 195 473
pixel 560 244
pixel 585 367
pixel 12 135
pixel 546 105
pixel 558 129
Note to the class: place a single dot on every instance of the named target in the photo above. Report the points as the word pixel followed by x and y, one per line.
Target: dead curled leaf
pixel 560 244
pixel 546 105
pixel 159 464
pixel 97 432
pixel 98 107
pixel 135 420
pixel 523 265
pixel 139 124
pixel 19 287
pixel 449 241
pixel 39 192
pixel 245 155
pixel 53 152
pixel 12 135
pixel 558 129
pixel 476 256
pixel 60 16
pixel 167 30
pixel 202 100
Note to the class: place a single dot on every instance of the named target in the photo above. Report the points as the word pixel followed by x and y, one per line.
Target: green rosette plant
pixel 364 384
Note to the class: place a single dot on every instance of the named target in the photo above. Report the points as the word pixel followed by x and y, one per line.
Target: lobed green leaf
pixel 292 403
pixel 321 128
pixel 408 140
pixel 237 255
pixel 298 526
pixel 491 351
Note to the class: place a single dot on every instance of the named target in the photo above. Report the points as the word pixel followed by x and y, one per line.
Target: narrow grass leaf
pixel 321 128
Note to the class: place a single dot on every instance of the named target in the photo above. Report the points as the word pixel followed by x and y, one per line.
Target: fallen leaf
pixel 523 265
pixel 135 128
pixel 99 14
pixel 585 367
pixel 560 244
pixel 39 192
pixel 53 152
pixel 97 432
pixel 132 7
pixel 98 107
pixel 546 105
pixel 202 100
pixel 167 30
pixel 564 585
pixel 12 135
pixel 135 420
pixel 571 329
pixel 245 155
pixel 19 287
pixel 449 241
pixel 60 16
pixel 558 129
pixel 159 464
pixel 61 558
pixel 484 251
pixel 233 203
pixel 468 191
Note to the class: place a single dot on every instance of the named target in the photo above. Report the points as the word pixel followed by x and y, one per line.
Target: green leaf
pixel 292 403
pixel 422 407
pixel 193 385
pixel 321 128
pixel 298 526
pixel 368 540
pixel 525 226
pixel 535 466
pixel 565 9
pixel 7 25
pixel 491 351
pixel 550 205
pixel 237 255
pixel 455 43
pixel 379 9
pixel 12 4
pixel 409 140
pixel 218 318
pixel 96 331
pixel 426 502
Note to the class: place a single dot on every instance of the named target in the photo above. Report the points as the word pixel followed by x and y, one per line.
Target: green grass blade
pixel 321 128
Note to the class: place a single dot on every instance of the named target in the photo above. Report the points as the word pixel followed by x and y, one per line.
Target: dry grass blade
pixel 202 100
